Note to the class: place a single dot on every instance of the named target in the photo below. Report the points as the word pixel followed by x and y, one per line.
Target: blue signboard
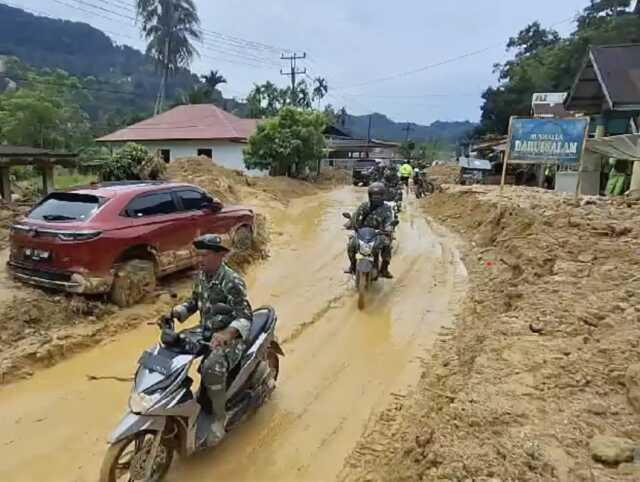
pixel 547 140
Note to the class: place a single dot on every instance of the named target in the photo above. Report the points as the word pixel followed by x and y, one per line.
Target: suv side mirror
pixel 346 215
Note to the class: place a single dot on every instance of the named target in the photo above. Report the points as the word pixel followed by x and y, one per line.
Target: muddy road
pixel 341 366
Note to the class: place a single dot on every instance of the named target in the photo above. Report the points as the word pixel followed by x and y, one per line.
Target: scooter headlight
pixel 365 249
pixel 140 403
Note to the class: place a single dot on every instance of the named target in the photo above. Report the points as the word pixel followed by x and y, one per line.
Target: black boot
pixel 384 270
pixel 351 269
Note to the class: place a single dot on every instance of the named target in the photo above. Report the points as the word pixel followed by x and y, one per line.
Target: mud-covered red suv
pixel 118 238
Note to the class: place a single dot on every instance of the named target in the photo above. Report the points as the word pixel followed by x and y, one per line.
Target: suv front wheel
pixel 133 280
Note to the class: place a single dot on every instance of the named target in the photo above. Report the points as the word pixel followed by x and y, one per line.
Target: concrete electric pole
pixel 293 72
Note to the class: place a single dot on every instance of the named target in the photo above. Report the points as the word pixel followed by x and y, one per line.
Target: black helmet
pixel 210 242
pixel 376 194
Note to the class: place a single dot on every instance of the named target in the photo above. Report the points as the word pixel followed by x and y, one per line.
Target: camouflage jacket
pixel 380 218
pixel 226 286
pixel 391 178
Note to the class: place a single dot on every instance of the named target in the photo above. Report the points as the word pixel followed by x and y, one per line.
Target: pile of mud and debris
pixel 9 212
pixel 539 380
pixel 444 173
pixel 232 186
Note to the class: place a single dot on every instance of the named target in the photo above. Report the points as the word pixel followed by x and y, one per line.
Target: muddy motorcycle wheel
pixel 362 281
pixel 429 187
pixel 126 459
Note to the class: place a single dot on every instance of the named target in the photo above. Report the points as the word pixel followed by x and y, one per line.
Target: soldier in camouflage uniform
pixel 217 283
pixel 377 215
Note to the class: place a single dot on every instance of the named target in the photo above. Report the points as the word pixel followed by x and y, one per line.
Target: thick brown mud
pixel 342 365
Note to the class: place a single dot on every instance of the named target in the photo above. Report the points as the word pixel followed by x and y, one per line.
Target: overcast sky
pixel 351 42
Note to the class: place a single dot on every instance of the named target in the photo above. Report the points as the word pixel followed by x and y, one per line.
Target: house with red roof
pixel 188 131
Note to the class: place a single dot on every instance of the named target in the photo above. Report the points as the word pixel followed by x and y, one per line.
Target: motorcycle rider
pixel 406 172
pixel 374 214
pixel 217 283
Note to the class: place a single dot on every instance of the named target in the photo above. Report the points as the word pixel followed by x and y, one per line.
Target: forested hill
pixel 384 128
pixel 82 50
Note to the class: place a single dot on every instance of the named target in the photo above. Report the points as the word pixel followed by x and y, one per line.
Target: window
pixel 166 155
pixel 206 153
pixel 193 200
pixel 62 206
pixel 151 205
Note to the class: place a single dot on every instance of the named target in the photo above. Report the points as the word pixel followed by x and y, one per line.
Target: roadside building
pixel 343 150
pixel 607 89
pixel 189 131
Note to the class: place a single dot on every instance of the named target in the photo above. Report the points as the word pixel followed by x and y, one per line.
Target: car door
pixel 197 205
pixel 165 227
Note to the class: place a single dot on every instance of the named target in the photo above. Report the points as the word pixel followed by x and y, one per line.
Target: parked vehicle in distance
pixel 363 172
pixel 118 238
pixel 473 171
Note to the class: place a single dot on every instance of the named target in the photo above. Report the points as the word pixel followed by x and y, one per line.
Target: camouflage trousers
pixel 215 368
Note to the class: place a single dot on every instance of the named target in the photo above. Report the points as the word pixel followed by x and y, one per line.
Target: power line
pixel 438 64
pixel 253 62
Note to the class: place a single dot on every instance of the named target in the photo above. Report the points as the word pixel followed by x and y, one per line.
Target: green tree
pixel 132 162
pixel 545 63
pixel 407 149
pixel 44 111
pixel 170 27
pixel 320 89
pixel 288 143
pixel 213 79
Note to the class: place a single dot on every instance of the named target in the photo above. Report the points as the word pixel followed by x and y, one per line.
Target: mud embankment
pixel 535 378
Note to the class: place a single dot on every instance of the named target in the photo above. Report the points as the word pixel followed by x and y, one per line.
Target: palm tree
pixel 213 79
pixel 320 89
pixel 169 26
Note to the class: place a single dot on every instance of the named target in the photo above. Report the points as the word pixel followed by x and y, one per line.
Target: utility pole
pixel 293 72
pixel 407 129
pixel 369 129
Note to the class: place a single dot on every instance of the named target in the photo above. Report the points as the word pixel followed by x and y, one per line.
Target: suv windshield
pixel 65 206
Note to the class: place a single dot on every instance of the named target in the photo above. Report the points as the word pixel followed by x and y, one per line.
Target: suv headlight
pixel 139 402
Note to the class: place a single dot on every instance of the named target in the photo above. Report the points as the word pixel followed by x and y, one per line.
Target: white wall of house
pixel 225 153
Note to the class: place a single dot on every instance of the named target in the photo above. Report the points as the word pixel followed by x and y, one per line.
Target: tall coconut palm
pixel 213 79
pixel 320 89
pixel 170 27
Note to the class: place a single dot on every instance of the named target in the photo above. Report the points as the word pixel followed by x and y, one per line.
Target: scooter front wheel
pixel 361 284
pixel 126 459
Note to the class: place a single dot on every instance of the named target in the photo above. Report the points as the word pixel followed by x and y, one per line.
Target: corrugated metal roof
pixel 610 74
pixel 618 67
pixel 187 122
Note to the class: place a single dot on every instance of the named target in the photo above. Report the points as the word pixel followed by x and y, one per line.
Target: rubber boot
pixel 352 267
pixel 384 270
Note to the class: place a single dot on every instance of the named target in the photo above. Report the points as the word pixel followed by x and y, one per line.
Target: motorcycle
pixel 165 416
pixel 423 186
pixel 367 263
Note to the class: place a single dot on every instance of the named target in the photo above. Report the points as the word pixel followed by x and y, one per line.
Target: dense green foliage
pixel 122 81
pixel 267 99
pixel 45 111
pixel 543 62
pixel 130 163
pixel 425 153
pixel 288 143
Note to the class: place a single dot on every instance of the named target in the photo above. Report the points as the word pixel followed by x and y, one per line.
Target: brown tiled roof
pixel 185 122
